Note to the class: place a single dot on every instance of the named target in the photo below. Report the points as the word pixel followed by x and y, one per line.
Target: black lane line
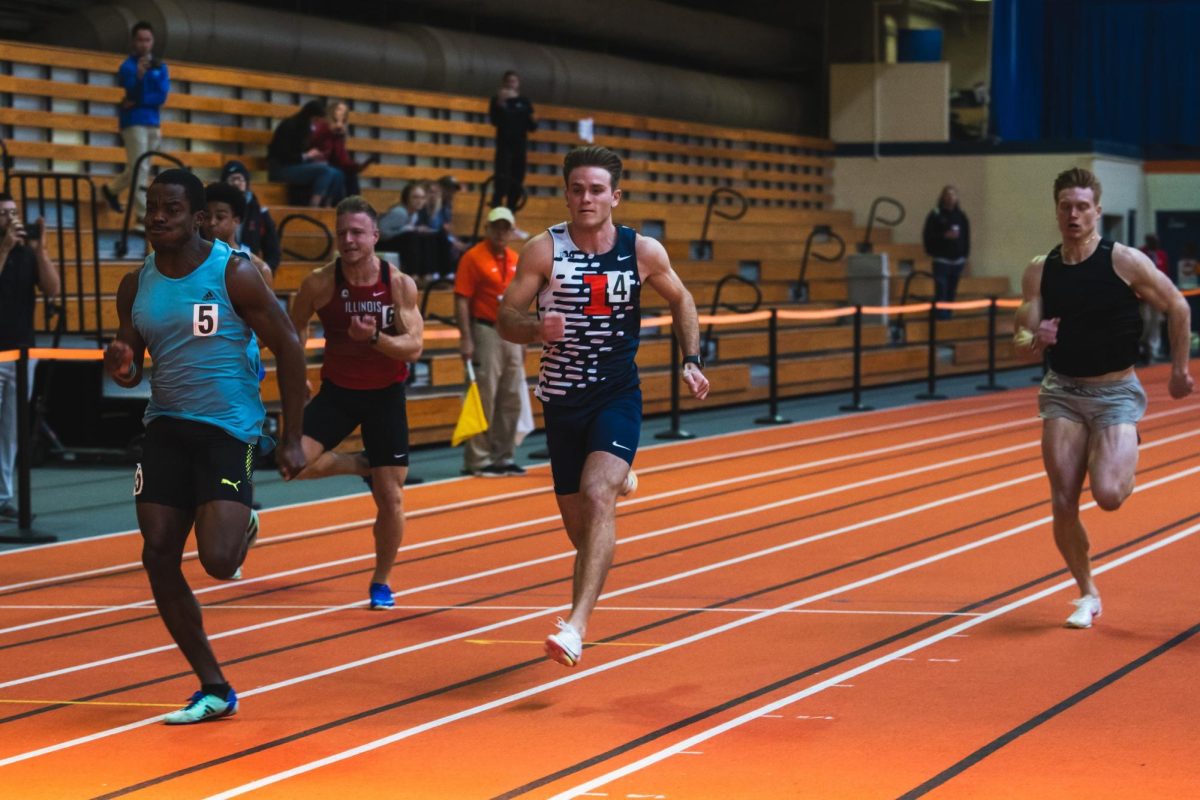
pixel 466 604
pixel 545 584
pixel 1050 713
pixel 477 546
pixel 700 716
pixel 811 671
pixel 137 569
pixel 468 682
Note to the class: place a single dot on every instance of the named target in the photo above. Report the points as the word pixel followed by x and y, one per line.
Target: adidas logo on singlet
pixel 208 296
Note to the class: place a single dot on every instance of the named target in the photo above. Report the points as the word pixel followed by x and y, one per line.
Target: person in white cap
pixel 483 275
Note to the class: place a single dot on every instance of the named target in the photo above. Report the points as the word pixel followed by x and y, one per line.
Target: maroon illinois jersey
pixel 358 365
pixel 600 296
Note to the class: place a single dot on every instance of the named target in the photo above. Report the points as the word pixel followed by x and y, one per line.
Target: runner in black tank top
pixel 587 276
pixel 1081 310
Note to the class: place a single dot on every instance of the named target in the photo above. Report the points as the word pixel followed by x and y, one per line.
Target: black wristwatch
pixel 697 360
pixel 374 338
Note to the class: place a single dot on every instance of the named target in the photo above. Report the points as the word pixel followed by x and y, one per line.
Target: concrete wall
pixel 1170 192
pixel 913 102
pixel 1006 197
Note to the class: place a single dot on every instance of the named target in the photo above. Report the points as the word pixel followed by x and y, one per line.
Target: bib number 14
pixel 606 290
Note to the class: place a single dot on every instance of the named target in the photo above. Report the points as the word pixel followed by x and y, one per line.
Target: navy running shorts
pixel 572 432
pixel 335 412
pixel 186 464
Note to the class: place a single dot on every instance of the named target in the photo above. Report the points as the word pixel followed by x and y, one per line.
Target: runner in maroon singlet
pixel 373 328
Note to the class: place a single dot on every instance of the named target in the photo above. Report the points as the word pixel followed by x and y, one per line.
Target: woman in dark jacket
pixel 292 158
pixel 947 239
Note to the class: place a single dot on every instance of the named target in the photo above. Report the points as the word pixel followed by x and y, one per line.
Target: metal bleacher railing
pixel 771 317
pixel 58 198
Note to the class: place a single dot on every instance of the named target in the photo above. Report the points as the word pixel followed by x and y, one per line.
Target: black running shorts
pixel 186 464
pixel 335 412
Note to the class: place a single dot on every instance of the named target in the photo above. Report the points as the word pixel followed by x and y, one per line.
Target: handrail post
pixel 674 432
pixel 706 344
pixel 773 417
pixel 856 403
pixel 26 534
pixel 991 385
pixel 931 392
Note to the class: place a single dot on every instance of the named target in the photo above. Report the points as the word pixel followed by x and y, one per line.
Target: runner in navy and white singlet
pixel 1081 308
pixel 587 275
pixel 373 328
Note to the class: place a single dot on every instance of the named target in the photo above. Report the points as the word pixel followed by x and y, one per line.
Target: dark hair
pixel 311 110
pixel 942 194
pixel 224 193
pixel 357 204
pixel 193 187
pixel 140 25
pixel 593 156
pixel 508 73
pixel 407 191
pixel 1077 178
pixel 5 197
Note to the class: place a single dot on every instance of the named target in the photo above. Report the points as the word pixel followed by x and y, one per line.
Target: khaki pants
pixel 500 372
pixel 138 139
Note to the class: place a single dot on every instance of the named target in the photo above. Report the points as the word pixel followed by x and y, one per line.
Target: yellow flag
pixel 471 420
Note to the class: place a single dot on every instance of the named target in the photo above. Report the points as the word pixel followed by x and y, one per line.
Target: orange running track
pixel 864 606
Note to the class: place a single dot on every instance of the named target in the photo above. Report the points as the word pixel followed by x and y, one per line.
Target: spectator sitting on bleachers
pixel 329 136
pixel 257 232
pixel 406 228
pixel 292 159
pixel 443 220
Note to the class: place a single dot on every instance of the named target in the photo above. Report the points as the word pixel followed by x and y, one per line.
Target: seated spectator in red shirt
pixel 329 136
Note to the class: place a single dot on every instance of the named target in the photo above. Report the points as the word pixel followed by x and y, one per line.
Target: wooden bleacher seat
pixel 671 168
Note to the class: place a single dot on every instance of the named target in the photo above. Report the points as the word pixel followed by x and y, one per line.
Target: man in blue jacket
pixel 146 83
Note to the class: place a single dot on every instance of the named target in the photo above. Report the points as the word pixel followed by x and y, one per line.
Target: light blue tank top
pixel 200 347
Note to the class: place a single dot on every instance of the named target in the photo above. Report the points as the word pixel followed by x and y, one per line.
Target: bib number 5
pixel 204 319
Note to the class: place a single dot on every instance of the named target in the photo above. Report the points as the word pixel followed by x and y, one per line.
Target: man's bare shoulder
pixel 320 277
pixel 403 286
pixel 1124 254
pixel 647 247
pixel 538 251
pixel 1035 264
pixel 130 281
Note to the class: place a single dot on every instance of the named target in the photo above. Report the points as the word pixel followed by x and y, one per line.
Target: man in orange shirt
pixel 484 273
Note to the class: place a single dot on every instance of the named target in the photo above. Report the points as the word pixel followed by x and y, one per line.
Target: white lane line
pixel 895 655
pixel 546 609
pixel 652 534
pixel 566 554
pixel 523 618
pixel 555 518
pixel 367 522
pixel 475 632
pixel 691 741
pixel 576 675
pixel 740 434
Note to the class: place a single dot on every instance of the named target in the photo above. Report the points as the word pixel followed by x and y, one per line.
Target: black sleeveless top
pixel 1100 323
